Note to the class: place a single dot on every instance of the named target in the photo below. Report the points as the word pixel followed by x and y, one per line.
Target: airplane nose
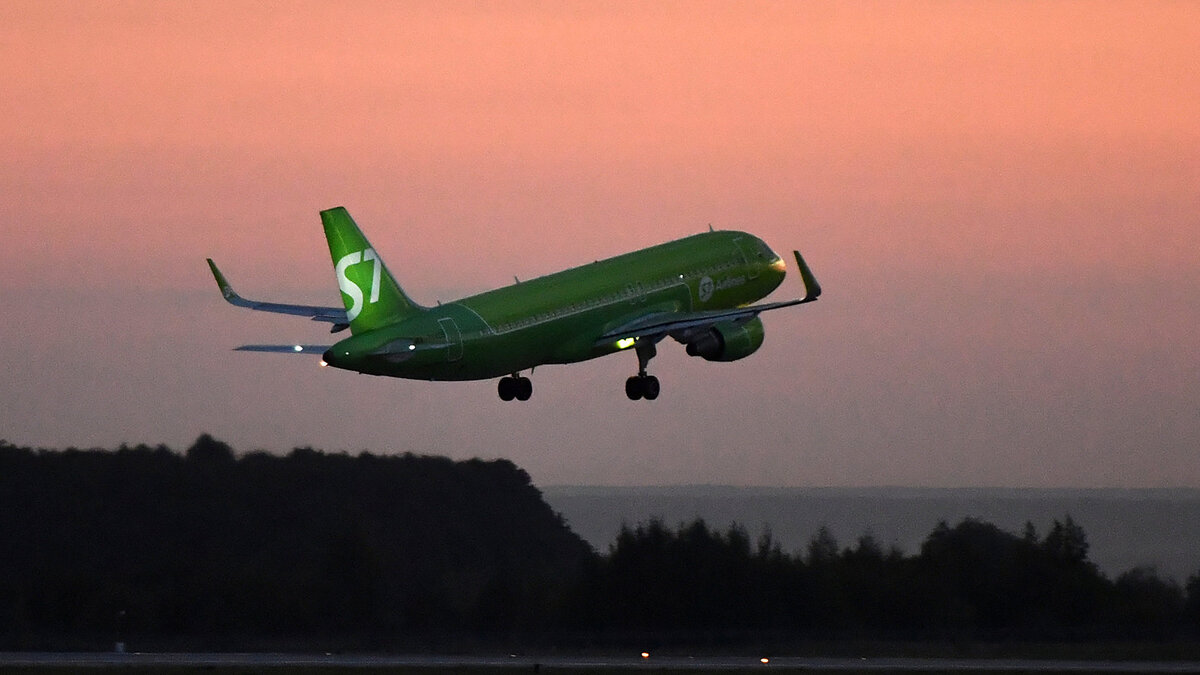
pixel 328 357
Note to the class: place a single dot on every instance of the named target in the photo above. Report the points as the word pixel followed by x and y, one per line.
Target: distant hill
pixel 144 543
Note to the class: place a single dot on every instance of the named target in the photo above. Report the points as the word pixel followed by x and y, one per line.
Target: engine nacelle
pixel 728 341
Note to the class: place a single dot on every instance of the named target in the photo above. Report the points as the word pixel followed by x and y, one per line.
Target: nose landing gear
pixel 516 387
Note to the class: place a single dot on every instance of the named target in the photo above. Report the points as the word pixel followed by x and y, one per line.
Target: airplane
pixel 696 290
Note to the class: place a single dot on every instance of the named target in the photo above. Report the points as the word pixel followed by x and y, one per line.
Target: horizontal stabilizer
pixel 334 315
pixel 285 349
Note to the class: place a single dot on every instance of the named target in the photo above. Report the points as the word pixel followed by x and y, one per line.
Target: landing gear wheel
pixel 633 388
pixel 524 388
pixel 650 387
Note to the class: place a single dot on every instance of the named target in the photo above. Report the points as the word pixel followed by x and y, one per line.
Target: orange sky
pixel 1000 198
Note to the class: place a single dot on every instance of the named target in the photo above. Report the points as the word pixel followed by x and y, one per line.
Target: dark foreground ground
pixel 321 664
pixel 903 668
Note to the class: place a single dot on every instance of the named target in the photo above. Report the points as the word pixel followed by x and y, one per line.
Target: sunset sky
pixel 1001 200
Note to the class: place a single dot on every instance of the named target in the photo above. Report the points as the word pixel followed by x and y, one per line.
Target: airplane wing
pixel 661 324
pixel 334 315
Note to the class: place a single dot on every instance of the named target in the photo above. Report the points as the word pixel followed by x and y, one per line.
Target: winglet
pixel 222 283
pixel 812 289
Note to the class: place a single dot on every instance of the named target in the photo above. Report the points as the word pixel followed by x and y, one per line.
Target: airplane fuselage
pixel 553 319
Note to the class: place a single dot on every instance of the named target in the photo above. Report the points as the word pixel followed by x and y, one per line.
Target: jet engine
pixel 728 341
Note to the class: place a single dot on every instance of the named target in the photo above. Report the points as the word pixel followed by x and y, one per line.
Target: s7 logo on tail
pixel 352 289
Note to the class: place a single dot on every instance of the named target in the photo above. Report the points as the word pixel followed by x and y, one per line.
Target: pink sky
pixel 1001 200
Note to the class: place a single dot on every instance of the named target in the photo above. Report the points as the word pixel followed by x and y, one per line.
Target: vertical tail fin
pixel 372 296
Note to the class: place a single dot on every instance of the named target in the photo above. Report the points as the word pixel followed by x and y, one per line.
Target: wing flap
pixel 664 323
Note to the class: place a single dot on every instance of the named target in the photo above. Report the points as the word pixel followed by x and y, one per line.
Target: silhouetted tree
pixel 1147 604
pixel 822 548
pixel 1191 607
pixel 1067 542
pixel 209 450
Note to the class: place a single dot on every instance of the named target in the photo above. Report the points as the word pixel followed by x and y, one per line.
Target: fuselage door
pixel 749 251
pixel 454 351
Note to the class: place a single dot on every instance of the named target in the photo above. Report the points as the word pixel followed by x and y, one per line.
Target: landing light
pixel 778 264
pixel 322 363
pixel 297 348
pixel 625 343
pixel 411 347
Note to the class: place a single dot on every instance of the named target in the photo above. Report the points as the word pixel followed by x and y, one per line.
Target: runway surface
pixel 597 663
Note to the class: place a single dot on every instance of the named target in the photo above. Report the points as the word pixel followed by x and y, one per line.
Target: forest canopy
pixel 212 549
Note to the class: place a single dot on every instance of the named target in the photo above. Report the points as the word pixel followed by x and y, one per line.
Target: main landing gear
pixel 642 385
pixel 516 387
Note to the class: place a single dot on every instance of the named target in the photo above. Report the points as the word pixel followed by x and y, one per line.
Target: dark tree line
pixel 972 580
pixel 151 544
pixel 207 549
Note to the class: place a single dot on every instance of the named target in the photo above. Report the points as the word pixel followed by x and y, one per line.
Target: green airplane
pixel 697 290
